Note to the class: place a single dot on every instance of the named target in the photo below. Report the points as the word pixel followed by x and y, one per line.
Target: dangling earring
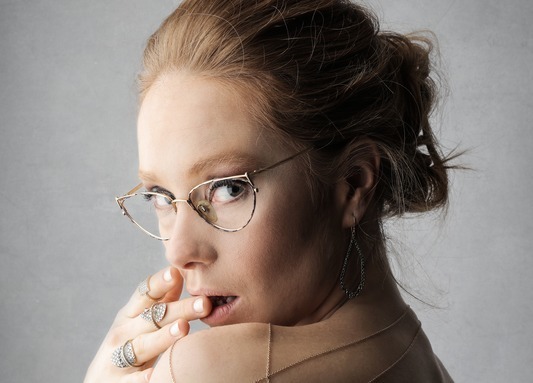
pixel 353 243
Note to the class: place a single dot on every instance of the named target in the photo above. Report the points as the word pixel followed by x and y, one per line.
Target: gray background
pixel 67 147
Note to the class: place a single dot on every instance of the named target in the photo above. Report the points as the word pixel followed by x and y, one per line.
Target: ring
pixel 144 288
pixel 155 313
pixel 124 356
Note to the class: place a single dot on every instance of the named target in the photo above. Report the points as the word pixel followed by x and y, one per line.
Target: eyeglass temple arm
pixel 120 200
pixel 279 163
pixel 135 189
pixel 250 173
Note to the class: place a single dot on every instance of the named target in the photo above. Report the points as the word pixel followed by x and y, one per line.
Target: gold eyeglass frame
pixel 244 177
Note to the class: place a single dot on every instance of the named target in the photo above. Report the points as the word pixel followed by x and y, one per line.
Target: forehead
pixel 185 118
pixel 186 108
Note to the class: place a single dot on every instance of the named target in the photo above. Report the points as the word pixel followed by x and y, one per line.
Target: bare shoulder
pixel 206 355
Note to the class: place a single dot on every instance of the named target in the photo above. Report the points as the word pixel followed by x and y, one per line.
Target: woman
pixel 274 138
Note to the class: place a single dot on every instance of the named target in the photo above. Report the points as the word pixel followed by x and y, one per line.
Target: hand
pixel 148 342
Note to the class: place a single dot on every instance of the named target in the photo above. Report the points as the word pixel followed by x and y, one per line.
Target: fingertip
pixel 198 306
pixel 148 374
pixel 184 326
pixel 167 276
pixel 208 306
pixel 202 305
pixel 180 328
pixel 171 274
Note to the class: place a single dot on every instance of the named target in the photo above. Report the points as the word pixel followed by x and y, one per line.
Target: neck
pixel 380 296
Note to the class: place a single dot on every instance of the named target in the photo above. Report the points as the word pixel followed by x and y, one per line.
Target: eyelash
pixel 160 190
pixel 220 183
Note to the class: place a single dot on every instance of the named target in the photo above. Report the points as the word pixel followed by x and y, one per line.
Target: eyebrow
pixel 147 176
pixel 210 162
pixel 223 158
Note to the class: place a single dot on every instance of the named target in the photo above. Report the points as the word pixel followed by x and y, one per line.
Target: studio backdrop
pixel 69 260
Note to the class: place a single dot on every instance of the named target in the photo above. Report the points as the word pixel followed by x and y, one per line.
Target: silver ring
pixel 155 313
pixel 124 356
pixel 144 288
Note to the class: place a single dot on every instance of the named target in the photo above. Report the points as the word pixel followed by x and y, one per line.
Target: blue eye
pixel 158 197
pixel 227 190
pixel 162 201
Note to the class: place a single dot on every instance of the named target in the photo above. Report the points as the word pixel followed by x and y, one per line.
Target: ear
pixel 357 190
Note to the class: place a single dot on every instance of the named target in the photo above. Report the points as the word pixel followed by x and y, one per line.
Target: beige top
pixel 398 352
pixel 388 350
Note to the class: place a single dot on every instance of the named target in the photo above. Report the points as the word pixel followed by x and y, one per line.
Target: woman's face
pixel 193 129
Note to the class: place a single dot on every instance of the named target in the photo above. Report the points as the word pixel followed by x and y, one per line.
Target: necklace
pixel 170 362
pixel 338 348
pixel 324 352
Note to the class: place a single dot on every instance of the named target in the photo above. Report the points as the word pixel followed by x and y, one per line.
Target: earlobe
pixel 360 185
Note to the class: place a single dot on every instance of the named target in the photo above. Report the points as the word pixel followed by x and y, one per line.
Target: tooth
pixel 230 299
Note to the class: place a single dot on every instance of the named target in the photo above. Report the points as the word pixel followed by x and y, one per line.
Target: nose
pixel 189 246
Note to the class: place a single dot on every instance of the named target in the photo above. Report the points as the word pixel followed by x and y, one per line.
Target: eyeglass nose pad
pixel 207 211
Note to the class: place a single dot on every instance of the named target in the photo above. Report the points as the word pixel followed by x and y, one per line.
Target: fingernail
pixel 198 305
pixel 175 329
pixel 147 376
pixel 167 276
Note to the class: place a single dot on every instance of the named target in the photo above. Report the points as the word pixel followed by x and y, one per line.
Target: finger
pixel 148 346
pixel 138 376
pixel 188 309
pixel 174 294
pixel 165 282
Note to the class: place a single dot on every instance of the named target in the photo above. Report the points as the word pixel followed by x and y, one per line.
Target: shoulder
pixel 228 353
pixel 331 350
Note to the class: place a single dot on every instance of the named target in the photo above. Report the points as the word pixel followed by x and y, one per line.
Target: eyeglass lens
pixel 226 203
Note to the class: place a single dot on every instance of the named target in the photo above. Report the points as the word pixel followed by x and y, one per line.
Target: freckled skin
pixel 275 266
pixel 282 268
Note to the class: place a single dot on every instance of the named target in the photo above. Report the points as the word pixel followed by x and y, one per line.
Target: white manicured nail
pixel 198 305
pixel 167 276
pixel 174 329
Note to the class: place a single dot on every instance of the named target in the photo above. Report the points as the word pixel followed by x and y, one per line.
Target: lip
pixel 209 292
pixel 220 315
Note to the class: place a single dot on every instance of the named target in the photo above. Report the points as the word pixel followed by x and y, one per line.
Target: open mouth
pixel 218 301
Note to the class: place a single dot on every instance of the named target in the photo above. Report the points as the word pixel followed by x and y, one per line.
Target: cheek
pixel 287 208
pixel 281 240
pixel 303 245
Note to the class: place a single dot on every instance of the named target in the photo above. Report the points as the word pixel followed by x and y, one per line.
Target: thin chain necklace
pixel 322 353
pixel 338 348
pixel 170 361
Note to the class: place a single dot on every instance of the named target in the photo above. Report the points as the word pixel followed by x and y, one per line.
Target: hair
pixel 323 75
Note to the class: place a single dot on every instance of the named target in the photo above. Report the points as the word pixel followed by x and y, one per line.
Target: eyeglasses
pixel 226 203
